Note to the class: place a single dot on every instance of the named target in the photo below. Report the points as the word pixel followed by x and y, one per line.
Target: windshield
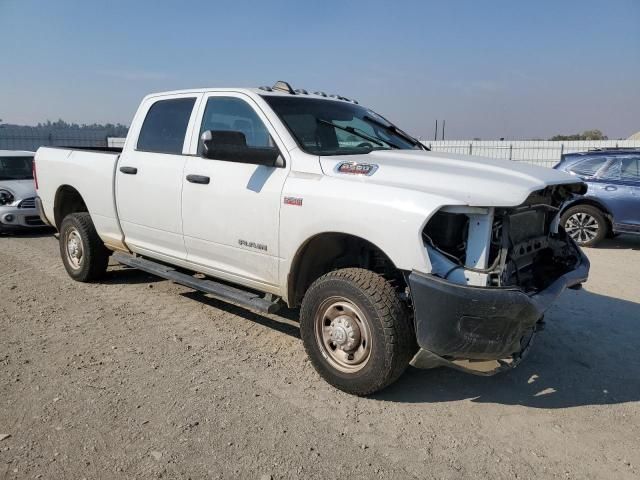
pixel 327 127
pixel 16 168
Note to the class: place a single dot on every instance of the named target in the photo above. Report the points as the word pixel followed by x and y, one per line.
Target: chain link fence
pixel 19 139
pixel 545 153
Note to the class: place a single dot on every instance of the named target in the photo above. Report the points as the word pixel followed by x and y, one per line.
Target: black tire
pixel 92 261
pixel 387 324
pixel 579 222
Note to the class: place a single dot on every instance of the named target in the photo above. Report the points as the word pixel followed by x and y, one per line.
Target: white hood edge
pixel 472 180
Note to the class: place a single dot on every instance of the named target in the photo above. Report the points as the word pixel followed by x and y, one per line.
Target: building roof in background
pixel 635 136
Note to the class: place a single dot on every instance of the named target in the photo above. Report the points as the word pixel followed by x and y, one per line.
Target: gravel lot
pixel 140 378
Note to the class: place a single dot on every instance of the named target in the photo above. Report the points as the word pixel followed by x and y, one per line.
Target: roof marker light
pixel 283 87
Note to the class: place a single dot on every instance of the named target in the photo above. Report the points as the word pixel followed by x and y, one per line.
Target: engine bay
pixel 520 246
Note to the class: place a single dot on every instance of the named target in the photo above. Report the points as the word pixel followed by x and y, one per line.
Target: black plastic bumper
pixel 456 321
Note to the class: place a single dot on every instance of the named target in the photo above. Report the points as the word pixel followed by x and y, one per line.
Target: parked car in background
pixel 612 202
pixel 17 191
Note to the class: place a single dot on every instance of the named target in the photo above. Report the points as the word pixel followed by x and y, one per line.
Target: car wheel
pixel 356 330
pixel 585 224
pixel 83 253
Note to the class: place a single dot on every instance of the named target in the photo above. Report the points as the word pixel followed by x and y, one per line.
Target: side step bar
pixel 218 290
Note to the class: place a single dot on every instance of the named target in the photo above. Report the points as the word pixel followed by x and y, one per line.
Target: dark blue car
pixel 612 202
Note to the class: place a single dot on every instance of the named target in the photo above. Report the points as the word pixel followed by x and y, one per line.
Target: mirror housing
pixel 231 146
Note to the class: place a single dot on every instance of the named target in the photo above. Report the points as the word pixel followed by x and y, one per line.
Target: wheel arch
pixel 327 251
pixel 593 202
pixel 67 200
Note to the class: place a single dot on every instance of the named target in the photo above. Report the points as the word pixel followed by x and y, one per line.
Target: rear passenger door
pixel 149 177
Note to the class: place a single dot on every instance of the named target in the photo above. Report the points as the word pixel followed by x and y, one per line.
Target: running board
pixel 218 290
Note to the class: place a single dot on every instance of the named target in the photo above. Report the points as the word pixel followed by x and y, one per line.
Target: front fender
pixel 391 218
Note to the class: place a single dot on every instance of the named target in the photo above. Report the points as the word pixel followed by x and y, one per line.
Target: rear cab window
pixel 165 126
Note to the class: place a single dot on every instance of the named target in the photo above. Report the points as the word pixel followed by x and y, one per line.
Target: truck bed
pixel 89 171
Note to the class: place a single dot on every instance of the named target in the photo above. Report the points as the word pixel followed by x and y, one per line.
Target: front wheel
pixel 356 330
pixel 83 253
pixel 585 224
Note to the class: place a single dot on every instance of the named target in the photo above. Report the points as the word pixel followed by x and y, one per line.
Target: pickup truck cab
pixel 394 254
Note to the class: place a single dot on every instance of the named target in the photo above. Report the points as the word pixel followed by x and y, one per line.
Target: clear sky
pixel 513 69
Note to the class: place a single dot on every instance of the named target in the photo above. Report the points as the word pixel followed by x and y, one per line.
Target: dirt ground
pixel 136 377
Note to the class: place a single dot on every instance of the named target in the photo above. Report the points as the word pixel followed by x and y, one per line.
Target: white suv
pixel 17 191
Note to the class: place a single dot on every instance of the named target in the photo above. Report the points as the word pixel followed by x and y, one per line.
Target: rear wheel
pixel 585 224
pixel 83 253
pixel 356 330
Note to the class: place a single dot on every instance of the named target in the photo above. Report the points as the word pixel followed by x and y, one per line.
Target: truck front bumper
pixel 482 330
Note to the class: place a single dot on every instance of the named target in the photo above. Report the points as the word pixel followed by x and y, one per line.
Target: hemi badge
pixel 296 201
pixel 354 168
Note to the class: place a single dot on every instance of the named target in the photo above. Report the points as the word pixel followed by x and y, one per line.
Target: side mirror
pixel 231 146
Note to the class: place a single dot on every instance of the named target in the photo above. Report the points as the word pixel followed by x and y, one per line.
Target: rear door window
pixel 611 171
pixel 589 167
pixel 630 169
pixel 165 126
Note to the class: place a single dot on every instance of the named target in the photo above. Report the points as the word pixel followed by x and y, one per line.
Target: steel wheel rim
pixel 582 227
pixel 343 334
pixel 74 248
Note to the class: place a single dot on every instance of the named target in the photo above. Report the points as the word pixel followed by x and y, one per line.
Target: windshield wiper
pixel 357 132
pixel 393 129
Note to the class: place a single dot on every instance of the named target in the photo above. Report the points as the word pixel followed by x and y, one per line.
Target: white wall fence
pixel 539 152
pixel 115 142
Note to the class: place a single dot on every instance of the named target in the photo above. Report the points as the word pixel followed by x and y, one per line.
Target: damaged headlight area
pixel 519 246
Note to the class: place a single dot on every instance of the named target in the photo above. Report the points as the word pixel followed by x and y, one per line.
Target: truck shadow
pixel 281 323
pixel 621 242
pixel 588 355
pixel 38 232
pixel 120 274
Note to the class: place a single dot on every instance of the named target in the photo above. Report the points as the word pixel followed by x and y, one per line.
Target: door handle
pixel 610 188
pixel 129 170
pixel 198 179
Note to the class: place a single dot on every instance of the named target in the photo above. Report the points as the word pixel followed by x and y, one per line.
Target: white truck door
pixel 231 209
pixel 149 177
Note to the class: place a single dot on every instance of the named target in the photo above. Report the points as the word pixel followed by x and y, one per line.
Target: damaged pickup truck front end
pixel 495 271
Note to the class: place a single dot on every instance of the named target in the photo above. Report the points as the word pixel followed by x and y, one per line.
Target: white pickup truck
pixel 269 196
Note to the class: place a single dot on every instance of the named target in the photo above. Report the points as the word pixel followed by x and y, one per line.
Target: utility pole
pixel 435 135
pixel 443 121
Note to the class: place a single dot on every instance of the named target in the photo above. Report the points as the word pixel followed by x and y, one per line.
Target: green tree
pixel 586 135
